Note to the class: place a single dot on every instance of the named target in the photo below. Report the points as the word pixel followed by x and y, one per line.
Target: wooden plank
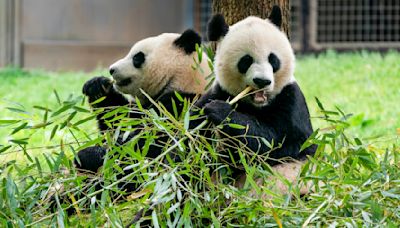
pixel 3 25
pixel 6 32
pixel 100 20
pixel 66 56
pixel 16 41
pixel 84 34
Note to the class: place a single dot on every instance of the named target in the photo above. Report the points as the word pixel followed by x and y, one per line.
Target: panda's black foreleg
pixel 90 159
pixel 218 111
pixel 99 87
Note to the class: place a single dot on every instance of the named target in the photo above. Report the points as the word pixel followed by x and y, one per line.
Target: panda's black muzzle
pixel 261 83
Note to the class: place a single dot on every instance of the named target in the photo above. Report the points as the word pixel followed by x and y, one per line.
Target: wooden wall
pixel 85 34
pixel 6 32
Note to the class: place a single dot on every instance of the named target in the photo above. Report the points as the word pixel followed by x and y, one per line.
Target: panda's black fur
pixel 285 120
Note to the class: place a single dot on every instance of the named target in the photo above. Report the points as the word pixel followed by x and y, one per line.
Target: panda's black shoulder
pixel 290 98
pixel 292 102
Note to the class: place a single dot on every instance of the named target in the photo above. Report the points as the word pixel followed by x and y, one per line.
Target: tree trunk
pixel 236 10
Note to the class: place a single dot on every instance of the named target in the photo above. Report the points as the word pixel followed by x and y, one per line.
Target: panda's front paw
pixel 97 87
pixel 217 111
pixel 90 159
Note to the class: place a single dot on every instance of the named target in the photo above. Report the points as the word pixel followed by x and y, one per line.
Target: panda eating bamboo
pixel 254 54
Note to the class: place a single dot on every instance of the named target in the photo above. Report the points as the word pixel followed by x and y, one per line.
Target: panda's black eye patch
pixel 274 61
pixel 138 59
pixel 245 63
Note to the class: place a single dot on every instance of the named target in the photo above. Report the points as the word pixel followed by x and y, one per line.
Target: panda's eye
pixel 245 63
pixel 138 59
pixel 274 61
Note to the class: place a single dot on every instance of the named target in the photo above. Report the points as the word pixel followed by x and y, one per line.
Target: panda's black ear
pixel 217 28
pixel 276 16
pixel 188 40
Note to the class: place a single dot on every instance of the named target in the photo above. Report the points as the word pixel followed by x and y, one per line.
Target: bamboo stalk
pixel 240 95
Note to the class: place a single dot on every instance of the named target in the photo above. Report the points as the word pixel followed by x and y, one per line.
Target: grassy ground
pixel 358 178
pixel 22 90
pixel 364 84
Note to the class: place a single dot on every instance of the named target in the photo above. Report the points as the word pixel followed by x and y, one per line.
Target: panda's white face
pixel 128 72
pixel 155 63
pixel 254 53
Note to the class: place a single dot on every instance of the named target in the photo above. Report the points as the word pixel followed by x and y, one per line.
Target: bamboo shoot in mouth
pixel 240 95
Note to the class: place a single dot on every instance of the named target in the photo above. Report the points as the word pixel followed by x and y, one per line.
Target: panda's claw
pixel 97 87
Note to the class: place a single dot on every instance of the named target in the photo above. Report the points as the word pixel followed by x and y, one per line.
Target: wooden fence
pixel 85 34
pixel 82 34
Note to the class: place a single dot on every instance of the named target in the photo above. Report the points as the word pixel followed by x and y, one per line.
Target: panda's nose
pixel 261 83
pixel 112 71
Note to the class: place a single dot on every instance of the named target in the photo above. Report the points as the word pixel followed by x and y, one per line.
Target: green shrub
pixel 356 183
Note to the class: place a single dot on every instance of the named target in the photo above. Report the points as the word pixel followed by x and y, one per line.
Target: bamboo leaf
pixel 41 125
pixel 20 141
pixel 236 126
pixel 155 219
pixel 17 110
pixel 42 108
pixel 79 122
pixel 178 96
pixel 20 127
pixel 53 132
pixel 62 109
pixel 80 109
pixel 57 97
pixel 186 120
pixel 9 122
pixel 4 148
pixel 173 208
pixel 390 194
pixel 98 100
pixel 199 52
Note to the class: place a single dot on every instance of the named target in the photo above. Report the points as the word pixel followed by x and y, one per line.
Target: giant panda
pixel 160 66
pixel 255 52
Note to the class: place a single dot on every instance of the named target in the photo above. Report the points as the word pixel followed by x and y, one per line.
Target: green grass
pixel 364 84
pixel 22 90
pixel 355 171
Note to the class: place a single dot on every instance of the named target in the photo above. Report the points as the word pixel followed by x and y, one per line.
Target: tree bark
pixel 236 10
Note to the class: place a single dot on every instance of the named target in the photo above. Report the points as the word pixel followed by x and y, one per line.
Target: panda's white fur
pixel 257 37
pixel 164 64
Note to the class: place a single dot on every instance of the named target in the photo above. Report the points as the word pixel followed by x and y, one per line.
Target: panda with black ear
pixel 255 53
pixel 160 66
